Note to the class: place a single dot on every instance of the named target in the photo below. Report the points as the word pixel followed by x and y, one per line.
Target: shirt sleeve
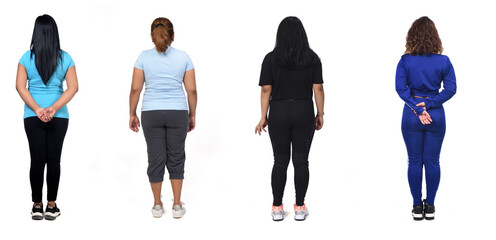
pixel 403 89
pixel 266 73
pixel 449 87
pixel 139 62
pixel 189 64
pixel 67 60
pixel 24 61
pixel 318 74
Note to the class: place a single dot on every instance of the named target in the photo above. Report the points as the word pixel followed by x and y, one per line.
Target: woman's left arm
pixel 72 89
pixel 190 86
pixel 449 87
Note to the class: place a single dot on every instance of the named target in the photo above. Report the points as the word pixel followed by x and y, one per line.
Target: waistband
pixel 291 100
pixel 424 93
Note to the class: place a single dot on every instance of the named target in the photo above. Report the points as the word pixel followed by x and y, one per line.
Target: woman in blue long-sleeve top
pixel 419 76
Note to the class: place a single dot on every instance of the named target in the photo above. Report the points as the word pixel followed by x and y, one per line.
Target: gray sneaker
pixel 178 211
pixel 301 212
pixel 277 213
pixel 157 211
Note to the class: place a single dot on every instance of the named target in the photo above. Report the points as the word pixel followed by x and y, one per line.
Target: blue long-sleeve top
pixel 421 75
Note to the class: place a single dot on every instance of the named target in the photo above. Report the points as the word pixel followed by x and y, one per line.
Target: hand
pixel 261 126
pixel 49 112
pixel 192 123
pixel 134 123
pixel 422 104
pixel 425 118
pixel 40 113
pixel 319 122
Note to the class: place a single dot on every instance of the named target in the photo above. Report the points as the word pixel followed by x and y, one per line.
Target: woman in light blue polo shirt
pixel 165 114
pixel 44 68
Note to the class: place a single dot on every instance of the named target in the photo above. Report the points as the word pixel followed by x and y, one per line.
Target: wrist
pixel 320 114
pixel 54 108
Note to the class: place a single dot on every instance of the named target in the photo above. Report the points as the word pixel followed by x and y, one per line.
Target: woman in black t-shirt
pixel 289 74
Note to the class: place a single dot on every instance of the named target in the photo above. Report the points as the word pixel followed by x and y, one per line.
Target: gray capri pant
pixel 165 133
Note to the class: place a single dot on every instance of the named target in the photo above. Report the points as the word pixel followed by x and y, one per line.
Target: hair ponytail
pixel 162 33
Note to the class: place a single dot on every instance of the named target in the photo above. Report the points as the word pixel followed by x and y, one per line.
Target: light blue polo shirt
pixel 46 95
pixel 164 74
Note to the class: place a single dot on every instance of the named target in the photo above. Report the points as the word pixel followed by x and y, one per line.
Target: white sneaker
pixel 277 213
pixel 157 211
pixel 301 212
pixel 178 211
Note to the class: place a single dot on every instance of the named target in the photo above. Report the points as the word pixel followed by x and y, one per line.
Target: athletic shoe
pixel 37 212
pixel 418 212
pixel 301 212
pixel 278 213
pixel 178 211
pixel 52 212
pixel 429 211
pixel 157 211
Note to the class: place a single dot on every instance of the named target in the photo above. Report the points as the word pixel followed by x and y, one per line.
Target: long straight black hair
pixel 45 46
pixel 292 48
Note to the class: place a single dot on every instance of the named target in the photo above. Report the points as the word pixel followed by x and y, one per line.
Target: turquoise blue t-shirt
pixel 164 73
pixel 46 95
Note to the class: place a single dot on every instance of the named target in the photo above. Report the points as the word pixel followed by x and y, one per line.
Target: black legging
pixel 45 147
pixel 291 123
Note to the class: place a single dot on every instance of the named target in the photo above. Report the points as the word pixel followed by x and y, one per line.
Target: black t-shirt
pixel 290 83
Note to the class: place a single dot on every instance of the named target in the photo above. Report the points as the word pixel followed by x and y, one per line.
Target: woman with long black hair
pixel 289 76
pixel 43 68
pixel 419 75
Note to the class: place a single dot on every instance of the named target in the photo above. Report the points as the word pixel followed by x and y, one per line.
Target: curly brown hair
pixel 423 38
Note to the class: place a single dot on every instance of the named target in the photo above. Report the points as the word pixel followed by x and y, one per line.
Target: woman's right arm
pixel 404 91
pixel 21 81
pixel 136 87
pixel 264 103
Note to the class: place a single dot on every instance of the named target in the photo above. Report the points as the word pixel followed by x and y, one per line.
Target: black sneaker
pixel 429 211
pixel 418 212
pixel 51 212
pixel 37 212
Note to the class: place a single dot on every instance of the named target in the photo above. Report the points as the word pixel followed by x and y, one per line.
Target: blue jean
pixel 423 144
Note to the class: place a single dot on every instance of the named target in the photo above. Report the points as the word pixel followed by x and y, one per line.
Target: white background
pixel 358 163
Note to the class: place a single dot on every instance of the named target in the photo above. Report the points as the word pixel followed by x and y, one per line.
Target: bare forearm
pixel 65 98
pixel 192 100
pixel 27 98
pixel 133 102
pixel 264 103
pixel 319 101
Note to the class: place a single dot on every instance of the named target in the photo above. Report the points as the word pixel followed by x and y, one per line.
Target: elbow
pixel 266 89
pixel 135 91
pixel 191 92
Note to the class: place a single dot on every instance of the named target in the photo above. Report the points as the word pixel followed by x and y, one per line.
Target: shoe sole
pixel 178 215
pixel 51 216
pixel 418 216
pixel 37 216
pixel 277 218
pixel 301 218
pixel 157 215
pixel 429 216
